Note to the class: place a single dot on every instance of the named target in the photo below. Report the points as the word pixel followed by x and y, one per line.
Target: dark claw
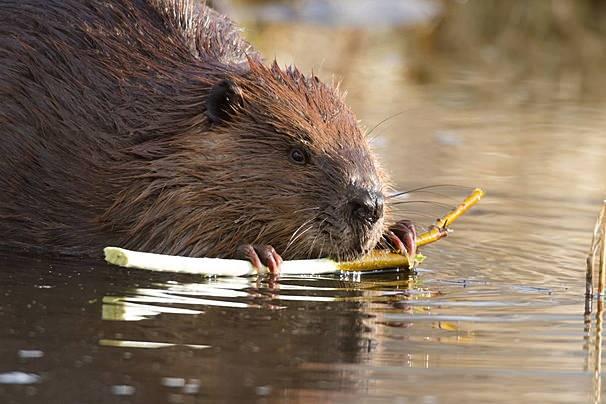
pixel 402 238
pixel 260 256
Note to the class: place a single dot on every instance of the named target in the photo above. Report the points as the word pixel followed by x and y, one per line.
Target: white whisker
pixel 296 236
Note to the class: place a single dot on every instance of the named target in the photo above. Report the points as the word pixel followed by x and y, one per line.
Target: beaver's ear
pixel 223 100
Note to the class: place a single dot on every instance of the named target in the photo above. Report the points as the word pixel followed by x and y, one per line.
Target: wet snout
pixel 366 206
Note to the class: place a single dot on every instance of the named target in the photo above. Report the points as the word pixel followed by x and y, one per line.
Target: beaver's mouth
pixel 359 243
pixel 340 240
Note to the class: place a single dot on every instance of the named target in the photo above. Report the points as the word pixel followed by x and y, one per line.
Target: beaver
pixel 154 125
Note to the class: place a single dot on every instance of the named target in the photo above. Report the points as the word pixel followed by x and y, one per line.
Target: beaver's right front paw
pixel 260 256
pixel 401 238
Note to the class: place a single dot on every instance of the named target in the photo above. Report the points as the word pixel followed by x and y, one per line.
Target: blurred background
pixel 538 50
pixel 512 89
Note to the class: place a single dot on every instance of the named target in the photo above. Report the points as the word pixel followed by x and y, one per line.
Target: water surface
pixel 495 314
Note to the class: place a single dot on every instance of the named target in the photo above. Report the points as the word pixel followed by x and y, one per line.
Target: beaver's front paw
pixel 260 256
pixel 401 238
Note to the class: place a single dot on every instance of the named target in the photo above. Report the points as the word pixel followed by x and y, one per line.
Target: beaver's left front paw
pixel 401 238
pixel 261 255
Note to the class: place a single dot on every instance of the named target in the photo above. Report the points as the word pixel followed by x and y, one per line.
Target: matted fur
pixel 105 140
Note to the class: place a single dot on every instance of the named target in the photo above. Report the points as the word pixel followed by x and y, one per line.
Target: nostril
pixel 367 207
pixel 360 208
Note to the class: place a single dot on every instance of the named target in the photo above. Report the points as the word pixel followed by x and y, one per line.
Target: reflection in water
pixel 144 303
pixel 18 378
pixel 144 344
pixel 315 337
pixel 494 315
pixel 596 356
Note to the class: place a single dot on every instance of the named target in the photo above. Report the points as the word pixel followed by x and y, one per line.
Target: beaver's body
pixel 155 126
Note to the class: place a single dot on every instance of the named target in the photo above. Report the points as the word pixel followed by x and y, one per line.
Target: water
pixel 495 314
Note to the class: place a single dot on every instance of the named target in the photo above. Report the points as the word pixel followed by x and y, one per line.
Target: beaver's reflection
pixel 234 338
pixel 286 337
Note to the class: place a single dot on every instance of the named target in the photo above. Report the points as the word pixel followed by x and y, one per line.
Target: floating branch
pixel 231 267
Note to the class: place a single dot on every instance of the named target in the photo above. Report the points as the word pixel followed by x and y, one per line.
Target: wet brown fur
pixel 104 139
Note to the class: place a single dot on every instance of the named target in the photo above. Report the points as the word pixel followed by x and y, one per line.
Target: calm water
pixel 495 314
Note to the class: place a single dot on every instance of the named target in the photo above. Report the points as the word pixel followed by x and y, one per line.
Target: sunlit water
pixel 495 313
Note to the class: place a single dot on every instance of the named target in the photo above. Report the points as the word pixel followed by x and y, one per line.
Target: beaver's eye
pixel 297 156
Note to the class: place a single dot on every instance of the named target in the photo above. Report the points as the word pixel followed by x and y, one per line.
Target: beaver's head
pixel 300 171
pixel 275 158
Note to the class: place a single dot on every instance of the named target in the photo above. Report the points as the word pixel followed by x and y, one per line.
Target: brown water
pixel 495 314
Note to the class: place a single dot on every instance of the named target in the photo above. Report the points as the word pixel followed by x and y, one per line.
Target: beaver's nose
pixel 367 206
